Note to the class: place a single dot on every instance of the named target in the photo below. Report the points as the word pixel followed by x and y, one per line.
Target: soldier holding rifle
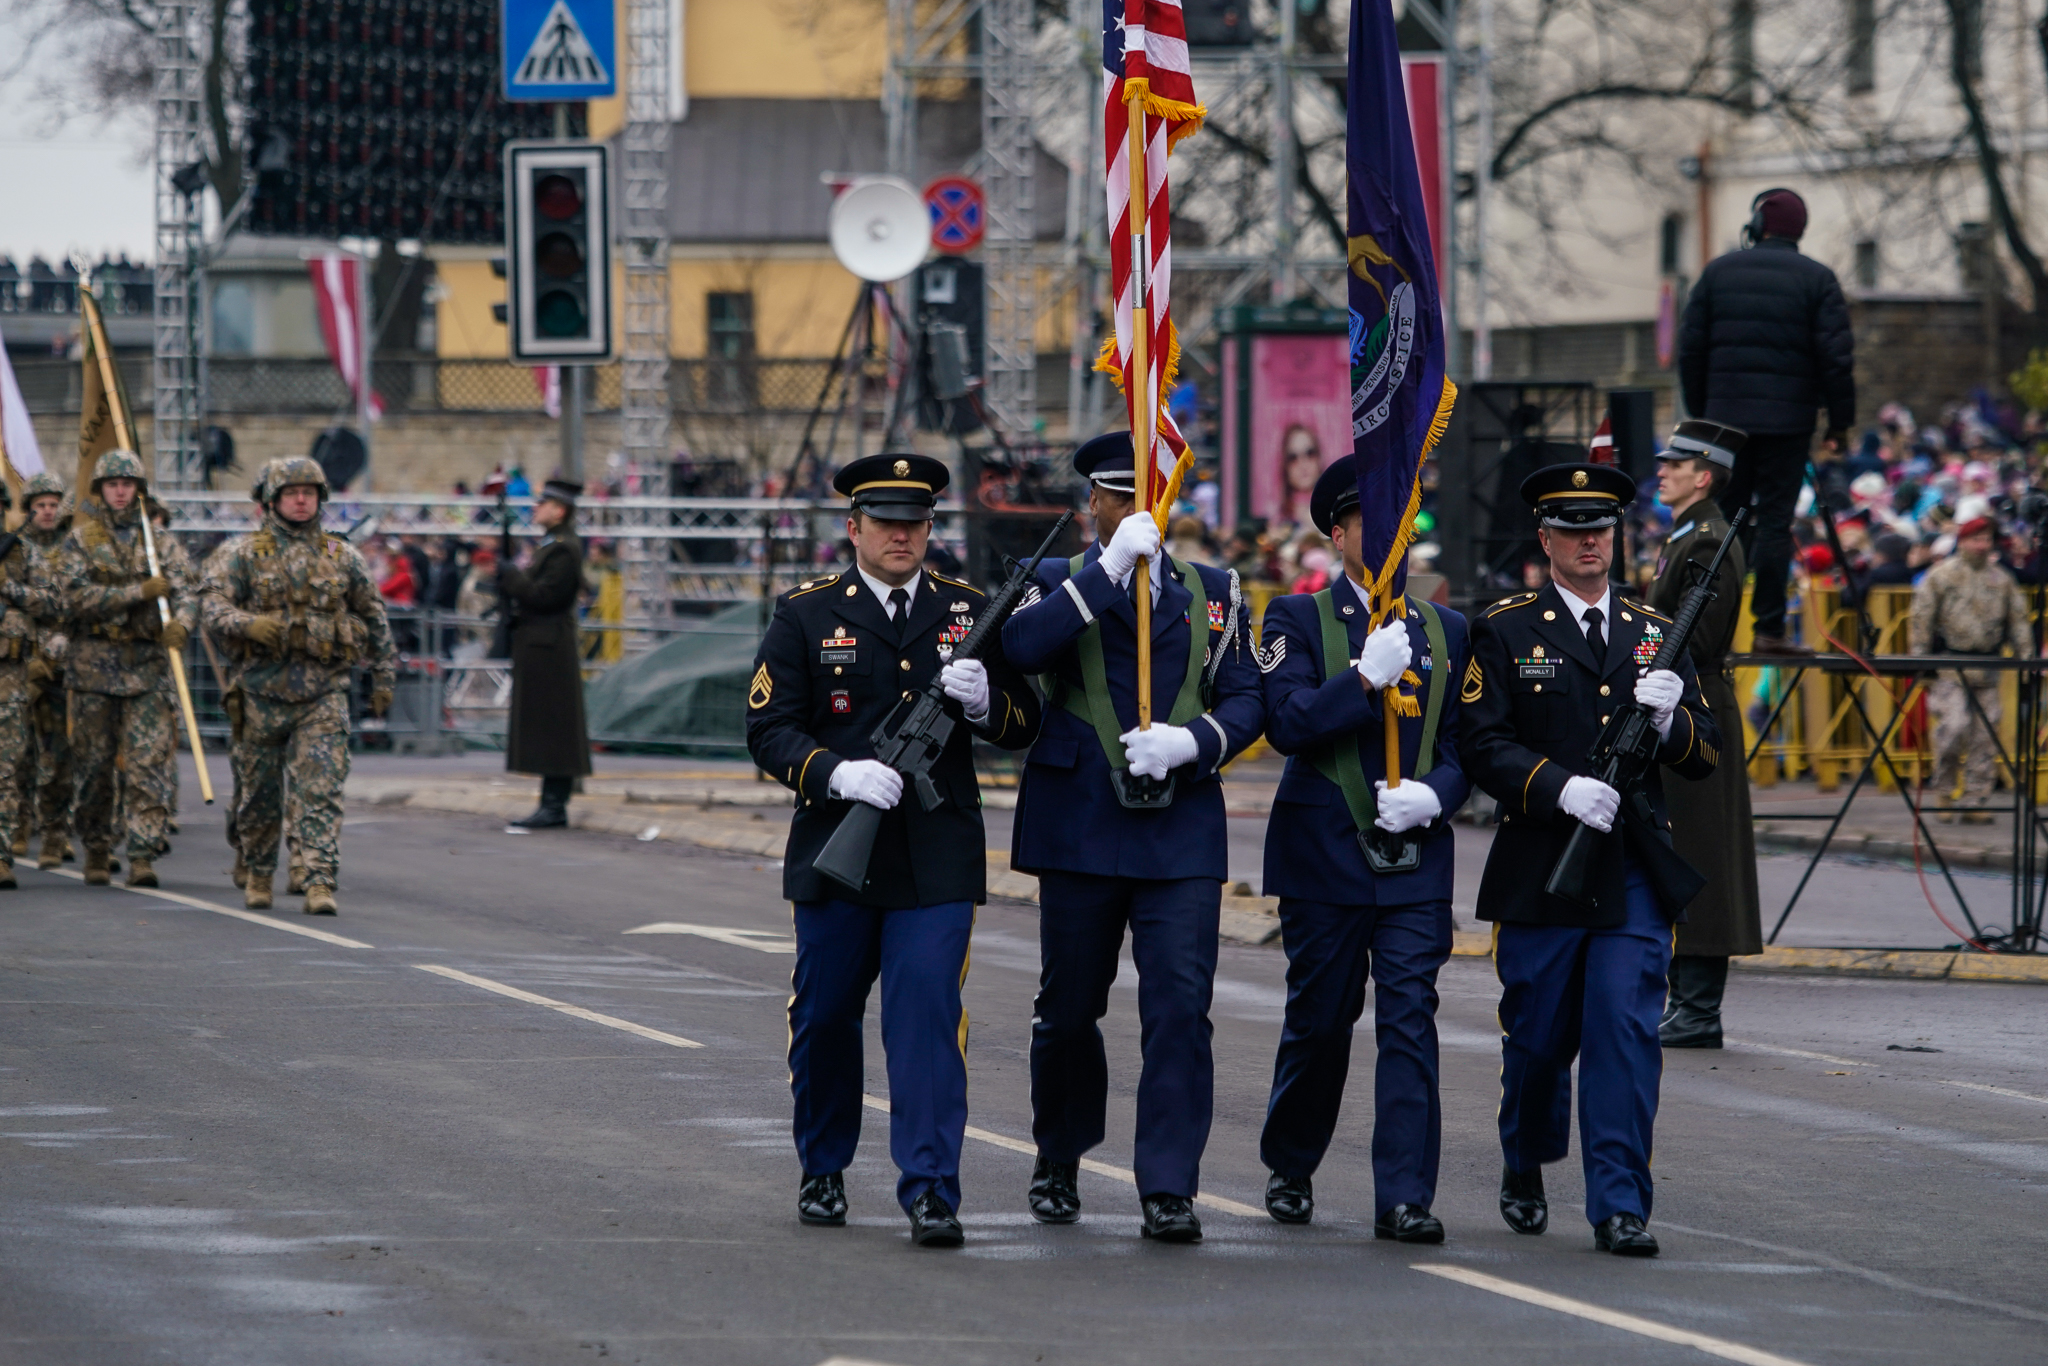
pixel 1580 978
pixel 840 654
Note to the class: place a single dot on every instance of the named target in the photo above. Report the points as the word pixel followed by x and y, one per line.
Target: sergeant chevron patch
pixel 1271 653
pixel 762 688
pixel 1475 683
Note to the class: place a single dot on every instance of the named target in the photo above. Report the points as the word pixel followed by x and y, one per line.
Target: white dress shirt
pixel 883 590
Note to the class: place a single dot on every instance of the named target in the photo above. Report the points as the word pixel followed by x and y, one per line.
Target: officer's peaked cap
pixel 1106 460
pixel 1714 442
pixel 1578 497
pixel 895 486
pixel 1336 493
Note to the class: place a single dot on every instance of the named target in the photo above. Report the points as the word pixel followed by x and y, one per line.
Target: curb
pixel 1851 845
pixel 1951 965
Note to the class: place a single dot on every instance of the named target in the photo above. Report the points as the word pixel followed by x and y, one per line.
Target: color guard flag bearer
pixel 1400 397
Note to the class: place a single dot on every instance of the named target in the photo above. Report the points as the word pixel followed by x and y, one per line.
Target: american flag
pixel 1145 51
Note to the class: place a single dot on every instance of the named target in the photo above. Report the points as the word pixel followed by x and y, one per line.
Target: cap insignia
pixel 1578 478
pixel 902 467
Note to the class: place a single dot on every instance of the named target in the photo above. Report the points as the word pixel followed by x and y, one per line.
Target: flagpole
pixel 1140 386
pixel 124 432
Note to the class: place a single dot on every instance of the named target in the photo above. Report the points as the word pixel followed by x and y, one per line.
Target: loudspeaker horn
pixel 881 228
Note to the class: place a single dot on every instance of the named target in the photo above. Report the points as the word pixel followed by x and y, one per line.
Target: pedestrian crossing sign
pixel 559 49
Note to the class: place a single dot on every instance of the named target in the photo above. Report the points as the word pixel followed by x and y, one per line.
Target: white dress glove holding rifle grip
pixel 1137 538
pixel 867 780
pixel 1386 654
pixel 1660 690
pixel 966 682
pixel 1590 802
pixel 1156 752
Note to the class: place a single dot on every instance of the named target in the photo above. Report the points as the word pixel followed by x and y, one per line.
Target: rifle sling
pixel 1339 761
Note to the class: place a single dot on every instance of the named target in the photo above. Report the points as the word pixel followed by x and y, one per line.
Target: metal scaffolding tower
pixel 644 404
pixel 1009 154
pixel 177 94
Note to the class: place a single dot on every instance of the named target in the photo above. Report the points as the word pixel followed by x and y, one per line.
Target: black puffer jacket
pixel 1766 342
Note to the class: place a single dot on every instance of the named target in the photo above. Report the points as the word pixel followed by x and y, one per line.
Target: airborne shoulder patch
pixel 1475 683
pixel 760 690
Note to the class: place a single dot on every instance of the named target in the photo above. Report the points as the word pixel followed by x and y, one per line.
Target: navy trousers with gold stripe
pixel 920 955
pixel 1596 995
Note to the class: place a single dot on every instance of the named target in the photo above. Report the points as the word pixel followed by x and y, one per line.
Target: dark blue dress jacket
pixel 1311 843
pixel 1068 817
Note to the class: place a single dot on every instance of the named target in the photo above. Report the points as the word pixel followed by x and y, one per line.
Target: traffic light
pixel 558 252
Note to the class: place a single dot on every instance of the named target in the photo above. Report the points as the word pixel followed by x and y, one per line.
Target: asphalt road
pixel 225 1142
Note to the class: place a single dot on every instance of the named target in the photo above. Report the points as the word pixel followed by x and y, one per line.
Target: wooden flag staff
pixel 1140 395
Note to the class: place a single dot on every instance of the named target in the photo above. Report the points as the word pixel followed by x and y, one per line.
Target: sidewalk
pixel 1879 825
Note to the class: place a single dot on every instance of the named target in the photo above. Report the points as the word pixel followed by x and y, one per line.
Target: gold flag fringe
pixel 1384 582
pixel 1182 119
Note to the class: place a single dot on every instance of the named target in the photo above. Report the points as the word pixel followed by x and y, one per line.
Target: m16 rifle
pixel 913 735
pixel 1624 755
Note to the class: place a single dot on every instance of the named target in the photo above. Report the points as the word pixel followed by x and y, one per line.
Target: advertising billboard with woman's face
pixel 1300 402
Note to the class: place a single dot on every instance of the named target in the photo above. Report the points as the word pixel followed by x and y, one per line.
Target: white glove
pixel 1406 807
pixel 1590 801
pixel 1137 538
pixel 867 780
pixel 966 682
pixel 1386 653
pixel 1659 690
pixel 1156 752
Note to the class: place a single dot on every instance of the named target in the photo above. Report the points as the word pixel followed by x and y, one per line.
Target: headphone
pixel 1753 231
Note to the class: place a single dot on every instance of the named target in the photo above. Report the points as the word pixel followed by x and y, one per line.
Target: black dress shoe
pixel 543 818
pixel 1409 1224
pixel 932 1222
pixel 1689 1038
pixel 1055 1192
pixel 822 1199
pixel 1171 1219
pixel 1521 1200
pixel 1290 1199
pixel 1624 1236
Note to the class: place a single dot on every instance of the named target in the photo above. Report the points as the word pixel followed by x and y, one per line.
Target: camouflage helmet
pixel 40 484
pixel 259 492
pixel 280 475
pixel 118 464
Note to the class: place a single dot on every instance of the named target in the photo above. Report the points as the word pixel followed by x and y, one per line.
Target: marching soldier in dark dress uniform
pixel 545 734
pixel 1710 820
pixel 1547 670
pixel 838 655
pixel 1104 864
pixel 1344 912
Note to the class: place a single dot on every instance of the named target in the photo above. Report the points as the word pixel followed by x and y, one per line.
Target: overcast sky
pixel 81 187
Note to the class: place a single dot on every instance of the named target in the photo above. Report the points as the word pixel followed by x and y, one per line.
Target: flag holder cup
pixel 1137 792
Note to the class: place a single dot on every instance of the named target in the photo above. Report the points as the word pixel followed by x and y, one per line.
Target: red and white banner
pixel 548 379
pixel 1423 79
pixel 17 433
pixel 339 293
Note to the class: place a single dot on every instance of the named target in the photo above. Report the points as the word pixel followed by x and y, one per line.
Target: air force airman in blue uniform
pixel 1363 871
pixel 1125 828
pixel 1547 670
pixel 839 653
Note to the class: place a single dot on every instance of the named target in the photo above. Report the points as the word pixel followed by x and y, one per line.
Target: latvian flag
pixel 1145 52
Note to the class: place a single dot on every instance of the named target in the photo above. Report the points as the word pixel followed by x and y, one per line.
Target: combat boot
pixel 20 842
pixel 240 872
pixel 295 880
pixel 320 899
pixel 256 894
pixel 7 876
pixel 96 868
pixel 55 847
pixel 141 873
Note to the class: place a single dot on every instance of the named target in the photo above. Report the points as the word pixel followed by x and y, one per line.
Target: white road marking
pixel 766 941
pixel 1628 1323
pixel 611 1021
pixel 1088 1164
pixel 1993 1090
pixel 254 919
pixel 1745 1046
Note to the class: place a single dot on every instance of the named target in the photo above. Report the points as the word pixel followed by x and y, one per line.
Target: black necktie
pixel 1593 636
pixel 899 605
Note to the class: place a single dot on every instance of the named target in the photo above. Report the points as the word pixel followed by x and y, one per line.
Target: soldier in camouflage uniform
pixel 48 522
pixel 1968 605
pixel 295 607
pixel 116 665
pixel 25 594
